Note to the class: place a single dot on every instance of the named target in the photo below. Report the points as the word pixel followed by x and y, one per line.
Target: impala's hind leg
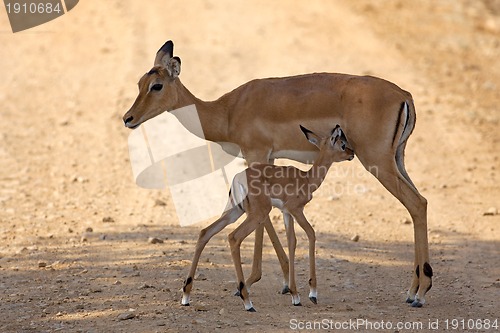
pixel 235 239
pixel 263 158
pixel 206 234
pixel 292 243
pixel 395 179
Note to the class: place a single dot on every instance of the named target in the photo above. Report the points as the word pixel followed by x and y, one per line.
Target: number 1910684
pixel 33 8
pixel 471 324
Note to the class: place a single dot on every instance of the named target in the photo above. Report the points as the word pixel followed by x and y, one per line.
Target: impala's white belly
pixel 296 155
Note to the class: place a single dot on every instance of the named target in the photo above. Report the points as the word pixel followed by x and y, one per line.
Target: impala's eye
pixel 157 87
pixel 343 146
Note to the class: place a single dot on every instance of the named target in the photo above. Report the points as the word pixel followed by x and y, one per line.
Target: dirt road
pixel 74 228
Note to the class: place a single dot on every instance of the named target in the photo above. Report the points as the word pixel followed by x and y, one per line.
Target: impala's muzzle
pixel 351 152
pixel 128 122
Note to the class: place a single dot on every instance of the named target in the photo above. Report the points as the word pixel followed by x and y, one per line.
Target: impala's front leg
pixel 292 243
pixel 311 235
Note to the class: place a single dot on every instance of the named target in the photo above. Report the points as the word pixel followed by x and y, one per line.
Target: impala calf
pixel 255 191
pixel 261 120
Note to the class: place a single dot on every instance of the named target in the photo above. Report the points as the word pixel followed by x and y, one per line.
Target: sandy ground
pixel 74 228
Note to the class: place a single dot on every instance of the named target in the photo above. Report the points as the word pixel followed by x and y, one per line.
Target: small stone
pixel 355 238
pixel 154 240
pixel 23 250
pixel 83 239
pixel 333 198
pixel 79 179
pixel 42 264
pixel 489 25
pixel 108 219
pixel 89 229
pixel 160 203
pixel 200 308
pixel 405 220
pixel 126 315
pixel 492 211
pixel 145 286
pixel 222 311
pixel 117 282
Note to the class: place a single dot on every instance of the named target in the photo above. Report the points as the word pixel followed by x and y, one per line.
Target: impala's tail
pixel 405 123
pixel 404 128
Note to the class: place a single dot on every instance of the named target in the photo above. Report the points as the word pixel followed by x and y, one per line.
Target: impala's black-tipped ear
pixel 311 136
pixel 164 54
pixel 335 130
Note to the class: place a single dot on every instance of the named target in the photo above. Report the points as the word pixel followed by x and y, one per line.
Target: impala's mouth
pixel 352 155
pixel 131 126
pixel 128 124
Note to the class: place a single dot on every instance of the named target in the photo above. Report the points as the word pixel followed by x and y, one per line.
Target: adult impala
pixel 261 118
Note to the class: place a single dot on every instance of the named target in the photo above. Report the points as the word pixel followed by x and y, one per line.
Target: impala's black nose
pixel 128 120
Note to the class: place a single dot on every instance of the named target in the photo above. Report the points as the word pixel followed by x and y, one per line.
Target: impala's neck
pixel 318 171
pixel 212 115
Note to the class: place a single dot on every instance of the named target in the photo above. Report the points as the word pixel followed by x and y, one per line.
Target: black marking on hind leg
pixel 429 273
pixel 428 270
pixel 240 288
pixel 310 281
pixel 417 271
pixel 186 283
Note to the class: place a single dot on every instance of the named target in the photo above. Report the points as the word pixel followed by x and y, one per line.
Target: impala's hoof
pixel 285 290
pixel 298 304
pixel 187 304
pixel 409 300
pixel 416 304
pixel 252 309
pixel 237 293
pixel 314 300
